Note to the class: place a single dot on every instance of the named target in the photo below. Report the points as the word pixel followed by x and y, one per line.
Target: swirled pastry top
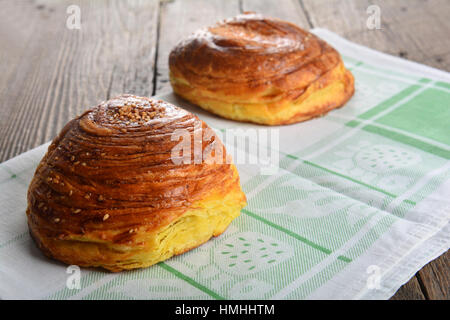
pixel 112 170
pixel 254 51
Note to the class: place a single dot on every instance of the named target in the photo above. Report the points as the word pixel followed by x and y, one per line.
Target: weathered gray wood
pixel 415 29
pixel 51 73
pixel 434 278
pixel 410 291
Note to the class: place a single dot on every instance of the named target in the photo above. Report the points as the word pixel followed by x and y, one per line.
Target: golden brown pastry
pixel 259 69
pixel 111 192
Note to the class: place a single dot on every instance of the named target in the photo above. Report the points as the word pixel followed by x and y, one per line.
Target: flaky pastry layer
pixel 108 193
pixel 258 69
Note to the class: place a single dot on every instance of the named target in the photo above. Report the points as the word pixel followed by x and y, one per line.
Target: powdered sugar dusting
pixel 237 33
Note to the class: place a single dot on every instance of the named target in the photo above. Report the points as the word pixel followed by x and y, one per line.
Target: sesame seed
pixel 72 158
pixel 100 198
pixel 76 210
pixel 83 164
pixel 70 192
pixel 40 205
pixel 106 216
pixel 77 163
pixel 56 220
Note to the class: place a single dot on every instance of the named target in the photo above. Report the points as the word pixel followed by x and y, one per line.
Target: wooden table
pixel 50 73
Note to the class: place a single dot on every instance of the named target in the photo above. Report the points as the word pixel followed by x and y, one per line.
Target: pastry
pixel 259 69
pixel 115 191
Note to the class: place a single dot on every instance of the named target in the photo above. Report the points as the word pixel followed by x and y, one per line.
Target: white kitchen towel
pixel 359 202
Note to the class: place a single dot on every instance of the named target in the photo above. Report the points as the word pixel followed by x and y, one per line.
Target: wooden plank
pixel 409 291
pixel 179 19
pixel 53 73
pixel 434 278
pixel 289 10
pixel 415 29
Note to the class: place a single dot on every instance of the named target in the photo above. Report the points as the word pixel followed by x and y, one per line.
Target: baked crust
pixel 259 69
pixel 108 193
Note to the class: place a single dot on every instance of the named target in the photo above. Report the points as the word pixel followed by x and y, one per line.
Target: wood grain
pixel 434 278
pixel 53 73
pixel 415 29
pixel 410 291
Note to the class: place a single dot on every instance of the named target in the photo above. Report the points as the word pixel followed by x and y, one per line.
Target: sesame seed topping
pixel 57 220
pixel 72 158
pixel 76 210
pixel 133 113
pixel 106 216
pixel 100 198
pixel 70 192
